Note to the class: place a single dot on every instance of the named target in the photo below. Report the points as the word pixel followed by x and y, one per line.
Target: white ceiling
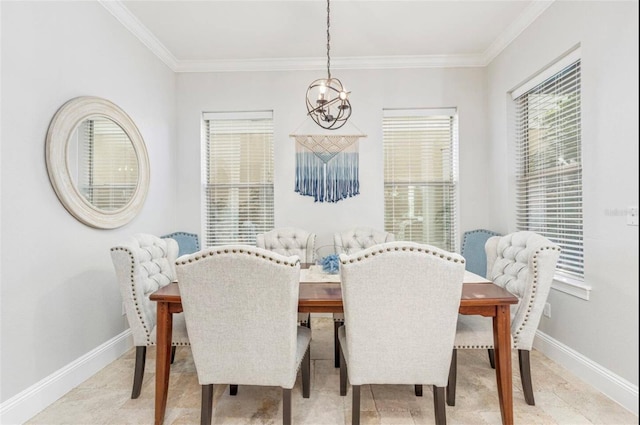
pixel 284 35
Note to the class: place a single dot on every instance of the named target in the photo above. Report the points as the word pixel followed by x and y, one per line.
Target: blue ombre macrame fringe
pixel 329 181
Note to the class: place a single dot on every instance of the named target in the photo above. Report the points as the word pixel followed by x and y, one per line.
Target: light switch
pixel 632 216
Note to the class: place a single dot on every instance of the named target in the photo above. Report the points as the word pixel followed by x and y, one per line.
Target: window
pixel 107 166
pixel 238 177
pixel 421 176
pixel 549 165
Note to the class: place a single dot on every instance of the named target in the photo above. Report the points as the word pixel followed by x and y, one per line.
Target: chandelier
pixel 327 100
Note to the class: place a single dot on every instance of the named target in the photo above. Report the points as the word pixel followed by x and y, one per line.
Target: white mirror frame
pixel 60 130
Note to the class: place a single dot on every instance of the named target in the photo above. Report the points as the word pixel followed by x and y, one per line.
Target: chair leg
pixel 438 405
pixel 138 373
pixel 525 376
pixel 336 349
pixel 306 373
pixel 207 405
pixel 173 353
pixel 343 373
pixel 451 384
pixel 492 357
pixel 418 390
pixel 355 405
pixel 286 406
pixel 233 389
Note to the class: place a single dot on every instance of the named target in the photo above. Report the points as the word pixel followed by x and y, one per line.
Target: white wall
pixel 284 92
pixel 59 296
pixel 605 328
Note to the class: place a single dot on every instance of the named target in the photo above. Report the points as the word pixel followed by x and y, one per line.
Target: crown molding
pixel 314 64
pixel 525 19
pixel 129 20
pixel 133 24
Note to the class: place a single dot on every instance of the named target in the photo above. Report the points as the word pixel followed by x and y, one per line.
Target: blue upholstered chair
pixel 473 250
pixel 188 243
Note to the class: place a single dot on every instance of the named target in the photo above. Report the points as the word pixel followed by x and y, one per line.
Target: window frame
pixel 266 222
pixel 448 190
pixel 569 177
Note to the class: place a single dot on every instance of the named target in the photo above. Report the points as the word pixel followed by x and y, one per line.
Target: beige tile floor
pixel 560 397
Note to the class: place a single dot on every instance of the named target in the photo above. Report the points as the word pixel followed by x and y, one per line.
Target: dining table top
pixel 317 288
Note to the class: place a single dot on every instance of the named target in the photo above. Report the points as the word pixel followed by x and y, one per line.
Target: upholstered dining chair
pixel 473 250
pixel 188 243
pixel 524 263
pixel 291 241
pixel 349 242
pixel 143 264
pixel 240 304
pixel 401 303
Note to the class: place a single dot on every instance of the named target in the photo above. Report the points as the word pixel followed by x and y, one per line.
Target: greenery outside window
pixel 549 161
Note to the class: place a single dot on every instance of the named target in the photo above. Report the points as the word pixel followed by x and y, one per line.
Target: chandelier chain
pixel 328 42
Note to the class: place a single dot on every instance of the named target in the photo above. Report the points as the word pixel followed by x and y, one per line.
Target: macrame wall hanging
pixel 327 166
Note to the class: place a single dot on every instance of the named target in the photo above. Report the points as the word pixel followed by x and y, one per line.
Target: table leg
pixel 164 326
pixel 502 346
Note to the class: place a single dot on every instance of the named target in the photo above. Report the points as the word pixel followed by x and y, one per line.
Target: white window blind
pixel 107 166
pixel 421 176
pixel 549 164
pixel 238 177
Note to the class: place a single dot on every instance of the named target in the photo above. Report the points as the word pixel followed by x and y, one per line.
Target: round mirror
pixel 97 162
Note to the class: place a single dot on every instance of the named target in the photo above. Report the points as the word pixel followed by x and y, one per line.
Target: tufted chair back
pixel 360 238
pixel 289 241
pixel 143 264
pixel 524 263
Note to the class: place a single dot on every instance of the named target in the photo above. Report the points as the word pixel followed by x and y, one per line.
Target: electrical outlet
pixel 547 310
pixel 632 216
pixel 124 311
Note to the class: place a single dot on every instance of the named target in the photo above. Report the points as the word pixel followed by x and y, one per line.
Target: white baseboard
pixel 613 386
pixel 34 399
pixel 28 403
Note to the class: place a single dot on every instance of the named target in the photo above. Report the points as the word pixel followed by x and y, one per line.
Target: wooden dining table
pixel 318 295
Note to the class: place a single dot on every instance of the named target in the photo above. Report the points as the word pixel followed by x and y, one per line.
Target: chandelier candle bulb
pixel 327 99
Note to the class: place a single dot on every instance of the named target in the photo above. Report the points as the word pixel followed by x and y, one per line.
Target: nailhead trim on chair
pixel 135 301
pixel 529 307
pixel 404 248
pixel 533 290
pixel 202 255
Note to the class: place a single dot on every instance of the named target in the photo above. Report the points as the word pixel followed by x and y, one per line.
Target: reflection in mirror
pixel 103 164
pixel 97 162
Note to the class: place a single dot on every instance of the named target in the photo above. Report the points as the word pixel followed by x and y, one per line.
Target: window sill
pixel 571 286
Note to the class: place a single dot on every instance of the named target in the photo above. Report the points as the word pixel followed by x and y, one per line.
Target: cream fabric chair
pixel 350 242
pixel 401 302
pixel 143 264
pixel 354 240
pixel 240 304
pixel 291 241
pixel 524 263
